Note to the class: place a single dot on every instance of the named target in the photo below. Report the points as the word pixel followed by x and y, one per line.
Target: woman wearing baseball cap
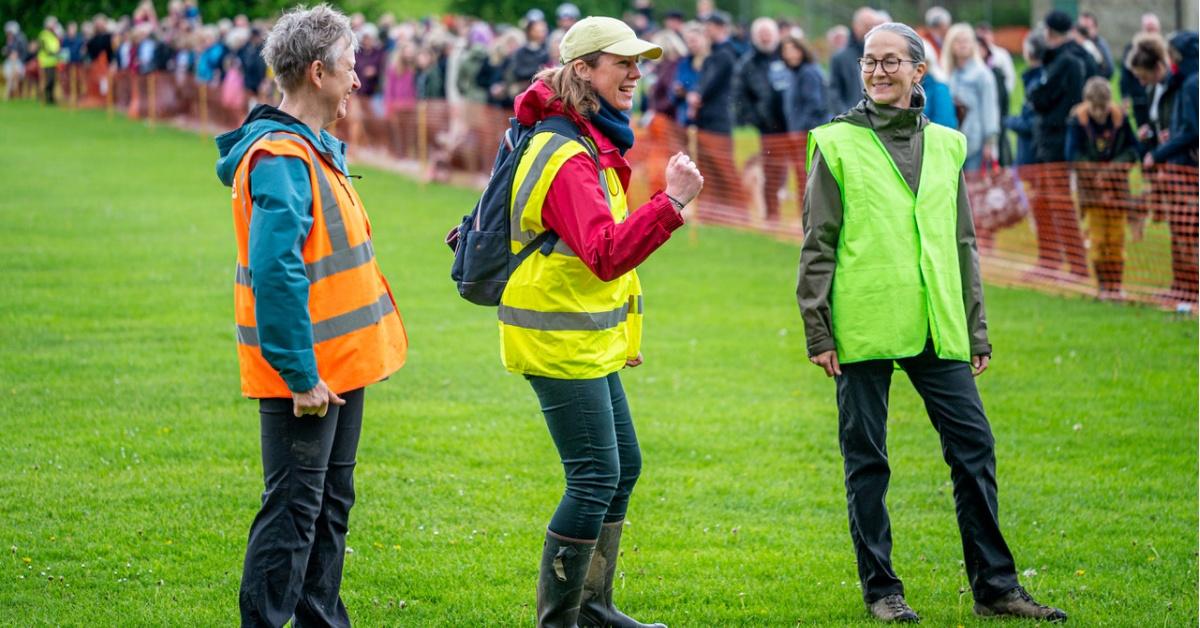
pixel 570 316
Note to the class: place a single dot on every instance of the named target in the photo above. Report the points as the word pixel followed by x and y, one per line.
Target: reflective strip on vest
pixel 329 207
pixel 532 177
pixel 562 321
pixel 335 326
pixel 336 262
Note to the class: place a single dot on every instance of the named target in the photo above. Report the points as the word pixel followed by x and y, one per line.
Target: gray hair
pixel 937 16
pixel 302 36
pixel 916 45
pixel 1035 44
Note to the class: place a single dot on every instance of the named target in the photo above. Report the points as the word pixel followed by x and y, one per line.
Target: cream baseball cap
pixel 604 34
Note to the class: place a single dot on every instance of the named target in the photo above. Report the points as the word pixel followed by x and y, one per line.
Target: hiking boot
pixel 893 608
pixel 560 581
pixel 1018 603
pixel 597 608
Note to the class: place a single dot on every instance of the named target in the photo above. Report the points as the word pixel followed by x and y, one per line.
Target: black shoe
pixel 597 607
pixel 1018 603
pixel 893 608
pixel 560 581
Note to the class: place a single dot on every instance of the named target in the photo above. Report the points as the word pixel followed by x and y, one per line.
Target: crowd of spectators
pixel 715 74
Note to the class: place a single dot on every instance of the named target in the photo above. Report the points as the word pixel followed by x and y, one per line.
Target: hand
pixel 683 178
pixel 315 401
pixel 635 362
pixel 828 361
pixel 693 101
pixel 1144 132
pixel 1148 161
pixel 979 364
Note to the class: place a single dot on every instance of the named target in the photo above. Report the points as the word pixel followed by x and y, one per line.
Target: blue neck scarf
pixel 614 124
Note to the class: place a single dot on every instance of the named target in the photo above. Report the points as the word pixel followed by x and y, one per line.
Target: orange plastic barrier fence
pixel 1110 230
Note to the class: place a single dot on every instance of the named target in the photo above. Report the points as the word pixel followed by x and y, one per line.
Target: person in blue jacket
pixel 939 104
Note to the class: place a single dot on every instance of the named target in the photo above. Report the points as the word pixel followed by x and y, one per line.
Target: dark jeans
pixel 956 412
pixel 293 565
pixel 51 76
pixel 590 423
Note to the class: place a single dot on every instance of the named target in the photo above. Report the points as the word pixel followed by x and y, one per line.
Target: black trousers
pixel 293 567
pixel 956 412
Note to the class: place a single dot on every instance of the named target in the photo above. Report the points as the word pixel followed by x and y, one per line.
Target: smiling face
pixel 337 83
pixel 614 78
pixel 893 89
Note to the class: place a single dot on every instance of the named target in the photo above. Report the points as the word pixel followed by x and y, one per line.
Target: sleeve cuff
pixel 299 382
pixel 821 346
pixel 984 349
pixel 664 211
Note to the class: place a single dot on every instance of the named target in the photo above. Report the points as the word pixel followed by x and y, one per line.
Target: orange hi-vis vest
pixel 358 337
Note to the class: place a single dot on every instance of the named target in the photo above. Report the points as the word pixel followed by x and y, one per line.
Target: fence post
pixel 109 85
pixel 423 138
pixel 151 96
pixel 203 111
pixel 693 146
pixel 73 77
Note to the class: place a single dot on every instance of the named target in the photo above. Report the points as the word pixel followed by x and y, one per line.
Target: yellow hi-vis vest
pixel 557 318
pixel 897 280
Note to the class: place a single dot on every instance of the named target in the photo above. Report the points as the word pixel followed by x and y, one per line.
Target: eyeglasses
pixel 890 64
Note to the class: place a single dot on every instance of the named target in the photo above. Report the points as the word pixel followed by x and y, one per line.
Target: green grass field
pixel 130 468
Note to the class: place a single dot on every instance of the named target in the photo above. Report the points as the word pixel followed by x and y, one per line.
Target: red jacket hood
pixel 538 103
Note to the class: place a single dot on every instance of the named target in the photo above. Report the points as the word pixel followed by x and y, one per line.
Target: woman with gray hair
pixel 889 273
pixel 316 321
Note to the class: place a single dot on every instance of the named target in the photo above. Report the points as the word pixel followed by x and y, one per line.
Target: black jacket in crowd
pixel 1132 89
pixel 254 68
pixel 845 78
pixel 759 82
pixel 1090 66
pixel 1060 89
pixel 716 89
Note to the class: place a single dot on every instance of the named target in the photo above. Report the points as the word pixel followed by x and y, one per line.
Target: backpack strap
pixel 544 241
pixel 564 126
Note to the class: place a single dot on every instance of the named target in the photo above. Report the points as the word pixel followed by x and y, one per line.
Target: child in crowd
pixel 1101 145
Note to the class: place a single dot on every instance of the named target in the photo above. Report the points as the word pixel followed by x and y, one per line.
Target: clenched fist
pixel 683 178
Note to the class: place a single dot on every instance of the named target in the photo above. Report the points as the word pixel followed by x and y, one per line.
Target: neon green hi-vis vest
pixel 48 48
pixel 557 319
pixel 897 280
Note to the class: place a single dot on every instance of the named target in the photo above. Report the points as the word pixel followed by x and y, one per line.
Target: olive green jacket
pixel 901 132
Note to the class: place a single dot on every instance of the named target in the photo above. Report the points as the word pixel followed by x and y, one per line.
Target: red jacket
pixel 577 210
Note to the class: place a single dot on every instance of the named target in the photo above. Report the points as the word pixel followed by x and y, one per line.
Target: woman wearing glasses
pixel 889 273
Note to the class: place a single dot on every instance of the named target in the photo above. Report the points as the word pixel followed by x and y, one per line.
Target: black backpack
pixel 483 260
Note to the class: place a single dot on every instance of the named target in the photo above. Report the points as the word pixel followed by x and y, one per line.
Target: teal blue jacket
pixel 280 223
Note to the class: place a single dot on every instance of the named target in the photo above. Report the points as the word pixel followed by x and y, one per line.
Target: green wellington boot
pixel 560 581
pixel 597 604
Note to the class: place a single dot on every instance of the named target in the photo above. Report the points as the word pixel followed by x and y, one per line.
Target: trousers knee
pixel 595 482
pixel 630 471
